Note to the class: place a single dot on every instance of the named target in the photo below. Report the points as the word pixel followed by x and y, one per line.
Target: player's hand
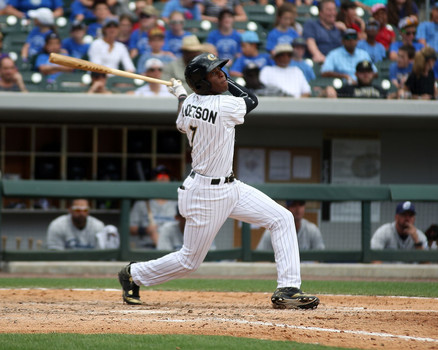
pixel 177 88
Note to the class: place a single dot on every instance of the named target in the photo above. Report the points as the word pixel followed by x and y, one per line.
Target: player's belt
pixel 217 181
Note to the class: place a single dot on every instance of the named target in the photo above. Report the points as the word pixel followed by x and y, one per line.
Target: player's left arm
pixel 249 97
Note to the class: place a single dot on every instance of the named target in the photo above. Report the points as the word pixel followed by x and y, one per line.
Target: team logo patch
pixel 211 57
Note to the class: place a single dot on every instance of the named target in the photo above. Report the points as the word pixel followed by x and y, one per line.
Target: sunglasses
pixel 176 22
pixel 78 209
pixel 154 70
pixel 350 37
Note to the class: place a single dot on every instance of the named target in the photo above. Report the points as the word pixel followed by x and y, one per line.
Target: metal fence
pixel 126 192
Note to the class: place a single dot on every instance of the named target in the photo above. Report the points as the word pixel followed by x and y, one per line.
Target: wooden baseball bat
pixel 77 63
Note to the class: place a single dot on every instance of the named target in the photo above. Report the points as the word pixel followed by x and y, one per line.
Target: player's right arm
pixel 179 91
pixel 249 97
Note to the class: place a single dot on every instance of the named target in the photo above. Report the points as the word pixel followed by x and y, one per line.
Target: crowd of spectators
pixel 328 44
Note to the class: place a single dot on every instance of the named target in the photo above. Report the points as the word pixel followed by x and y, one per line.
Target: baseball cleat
pixel 293 298
pixel 131 292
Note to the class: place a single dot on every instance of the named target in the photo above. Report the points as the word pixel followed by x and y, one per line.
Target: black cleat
pixel 293 298
pixel 131 292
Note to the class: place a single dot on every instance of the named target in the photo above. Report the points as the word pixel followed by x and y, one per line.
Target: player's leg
pixel 206 208
pixel 257 208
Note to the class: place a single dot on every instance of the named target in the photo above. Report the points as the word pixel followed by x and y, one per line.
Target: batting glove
pixel 177 88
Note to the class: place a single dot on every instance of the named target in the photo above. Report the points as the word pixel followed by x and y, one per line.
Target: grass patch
pixel 144 342
pixel 385 288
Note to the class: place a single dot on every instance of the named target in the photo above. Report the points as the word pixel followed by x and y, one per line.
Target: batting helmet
pixel 197 70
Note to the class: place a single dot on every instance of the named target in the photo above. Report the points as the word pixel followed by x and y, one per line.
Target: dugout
pixel 404 132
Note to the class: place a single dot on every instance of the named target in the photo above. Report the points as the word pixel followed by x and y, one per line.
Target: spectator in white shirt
pixel 108 51
pixel 290 80
pixel 153 69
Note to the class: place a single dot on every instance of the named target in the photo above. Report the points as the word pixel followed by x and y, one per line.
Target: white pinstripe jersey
pixel 209 121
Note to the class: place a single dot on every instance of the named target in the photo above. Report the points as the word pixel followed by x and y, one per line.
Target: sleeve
pixel 309 29
pixel 264 76
pixel 304 85
pixel 138 214
pixel 94 54
pixel 58 4
pixel 126 59
pixel 378 239
pixel 328 65
pixel 133 40
pixel 317 242
pixel 233 110
pixel 271 40
pixel 393 71
pixel 167 9
pixel 40 61
pixel 237 65
pixel 393 47
pixel 421 31
pixel 55 239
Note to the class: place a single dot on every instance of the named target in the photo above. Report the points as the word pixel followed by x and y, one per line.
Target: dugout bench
pixel 127 191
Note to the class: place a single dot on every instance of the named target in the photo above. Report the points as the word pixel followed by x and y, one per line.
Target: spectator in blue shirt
pixel 20 8
pixel 321 34
pixel 250 53
pixel 341 62
pixel 408 30
pixel 48 69
pixel 299 50
pixel 156 42
pixel 139 41
pixel 82 10
pixel 226 39
pixel 102 13
pixel 375 49
pixel 43 25
pixel 427 32
pixel 190 9
pixel 283 32
pixel 175 34
pixel 400 70
pixel 74 44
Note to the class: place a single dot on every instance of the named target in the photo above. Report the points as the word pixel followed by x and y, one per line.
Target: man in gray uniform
pixel 76 230
pixel 308 234
pixel 400 234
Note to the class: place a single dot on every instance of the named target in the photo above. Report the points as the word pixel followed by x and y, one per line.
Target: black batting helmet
pixel 197 70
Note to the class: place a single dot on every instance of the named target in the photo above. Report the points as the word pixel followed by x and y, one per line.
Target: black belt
pixel 228 179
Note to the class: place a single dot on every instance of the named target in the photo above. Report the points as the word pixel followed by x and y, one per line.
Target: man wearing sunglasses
pixel 341 62
pixel 153 68
pixel 408 31
pixel 75 230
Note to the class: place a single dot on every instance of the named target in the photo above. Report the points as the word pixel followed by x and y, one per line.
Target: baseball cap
pixel 156 31
pixel 299 42
pixel 409 21
pixel 364 66
pixel 349 33
pixel 153 62
pixel 377 7
pixel 290 203
pixel 191 43
pixel 76 25
pixel 373 23
pixel 149 11
pixel 44 15
pixel 403 207
pixel 282 48
pixel 110 21
pixel 250 37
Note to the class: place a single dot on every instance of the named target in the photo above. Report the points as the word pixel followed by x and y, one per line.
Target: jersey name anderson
pixel 198 112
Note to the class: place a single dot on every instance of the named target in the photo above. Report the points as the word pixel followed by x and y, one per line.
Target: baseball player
pixel 211 193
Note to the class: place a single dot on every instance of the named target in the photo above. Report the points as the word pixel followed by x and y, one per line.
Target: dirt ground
pixel 345 321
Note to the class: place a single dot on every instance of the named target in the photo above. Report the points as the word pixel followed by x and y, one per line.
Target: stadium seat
pixel 36 82
pixel 121 84
pixel 199 28
pixel 263 15
pixel 73 82
pixel 383 68
pixel 13 42
pixel 12 24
